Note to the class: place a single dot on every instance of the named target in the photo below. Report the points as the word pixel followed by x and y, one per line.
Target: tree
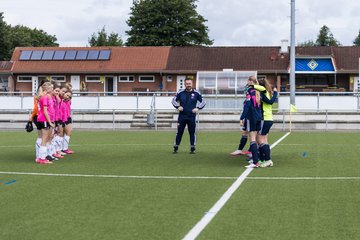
pixel 102 39
pixel 5 53
pixel 309 43
pixel 356 41
pixel 166 23
pixel 326 38
pixel 21 36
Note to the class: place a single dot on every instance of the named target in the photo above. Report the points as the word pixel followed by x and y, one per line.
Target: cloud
pixel 230 22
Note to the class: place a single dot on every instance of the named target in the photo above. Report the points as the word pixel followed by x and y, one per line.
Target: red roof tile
pixel 123 59
pixel 5 66
pixel 265 59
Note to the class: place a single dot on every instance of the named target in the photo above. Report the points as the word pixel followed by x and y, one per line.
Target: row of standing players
pixel 52 117
pixel 256 119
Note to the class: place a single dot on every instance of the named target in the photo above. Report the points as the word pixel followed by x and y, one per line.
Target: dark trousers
pixel 182 122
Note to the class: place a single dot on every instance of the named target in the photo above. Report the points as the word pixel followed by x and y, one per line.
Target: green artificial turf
pixel 135 202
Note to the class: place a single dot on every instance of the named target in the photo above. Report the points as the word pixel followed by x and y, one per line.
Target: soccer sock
pixel 254 152
pixel 37 147
pixel 53 146
pixel 48 149
pixel 42 152
pixel 262 151
pixel 243 142
pixel 58 143
pixel 267 152
pixel 61 142
pixel 66 142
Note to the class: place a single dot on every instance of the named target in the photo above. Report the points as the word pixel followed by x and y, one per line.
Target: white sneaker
pixel 251 165
pixel 267 163
pixel 235 153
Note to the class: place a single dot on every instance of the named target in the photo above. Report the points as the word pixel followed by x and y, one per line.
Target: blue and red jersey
pixel 252 109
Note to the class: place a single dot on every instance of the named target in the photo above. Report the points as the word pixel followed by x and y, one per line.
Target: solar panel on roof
pixel 104 55
pixel 25 55
pixel 48 55
pixel 59 55
pixel 36 55
pixel 70 55
pixel 93 55
pixel 81 55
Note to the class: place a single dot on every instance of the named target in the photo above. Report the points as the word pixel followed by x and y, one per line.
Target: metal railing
pixel 305 101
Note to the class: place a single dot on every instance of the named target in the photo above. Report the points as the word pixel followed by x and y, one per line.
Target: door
pixel 35 84
pixel 356 84
pixel 110 85
pixel 75 82
pixel 180 82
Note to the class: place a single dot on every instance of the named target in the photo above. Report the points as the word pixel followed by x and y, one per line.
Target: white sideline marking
pixel 167 144
pixel 113 176
pixel 209 215
pixel 303 178
pixel 175 177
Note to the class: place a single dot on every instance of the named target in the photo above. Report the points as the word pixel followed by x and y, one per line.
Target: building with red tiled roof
pixel 5 75
pixel 127 69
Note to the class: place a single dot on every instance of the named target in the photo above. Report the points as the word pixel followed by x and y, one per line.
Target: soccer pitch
pixel 129 185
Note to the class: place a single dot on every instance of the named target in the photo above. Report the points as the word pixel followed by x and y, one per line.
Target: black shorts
pixel 69 121
pixel 253 125
pixel 244 127
pixel 265 127
pixel 38 127
pixel 59 123
pixel 44 125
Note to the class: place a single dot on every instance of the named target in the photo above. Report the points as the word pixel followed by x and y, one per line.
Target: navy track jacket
pixel 189 101
pixel 252 110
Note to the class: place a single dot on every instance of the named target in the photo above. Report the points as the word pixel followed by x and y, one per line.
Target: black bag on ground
pixel 29 127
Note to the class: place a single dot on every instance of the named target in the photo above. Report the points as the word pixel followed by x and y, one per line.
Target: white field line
pixel 303 178
pixel 174 177
pixel 209 215
pixel 112 176
pixel 167 144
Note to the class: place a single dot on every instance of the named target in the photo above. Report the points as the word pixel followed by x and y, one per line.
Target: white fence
pixel 305 102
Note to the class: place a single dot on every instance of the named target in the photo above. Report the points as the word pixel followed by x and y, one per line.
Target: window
pixel 24 79
pixel 92 79
pixel 224 82
pixel 147 78
pixel 210 82
pixel 58 78
pixel 126 78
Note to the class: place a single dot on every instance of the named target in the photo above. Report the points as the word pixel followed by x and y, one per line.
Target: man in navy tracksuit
pixel 188 102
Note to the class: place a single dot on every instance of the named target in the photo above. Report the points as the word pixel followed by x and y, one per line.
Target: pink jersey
pixel 57 116
pixel 51 108
pixel 43 102
pixel 69 107
pixel 63 111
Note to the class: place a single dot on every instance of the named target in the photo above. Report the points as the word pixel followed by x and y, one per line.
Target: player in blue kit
pixel 253 115
pixel 188 101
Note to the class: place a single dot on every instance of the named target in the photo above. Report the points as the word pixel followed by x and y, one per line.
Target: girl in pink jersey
pixel 56 140
pixel 68 122
pixel 45 121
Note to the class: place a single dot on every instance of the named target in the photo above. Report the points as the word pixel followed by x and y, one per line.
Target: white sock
pixel 66 142
pixel 53 146
pixel 37 147
pixel 58 144
pixel 42 152
pixel 48 149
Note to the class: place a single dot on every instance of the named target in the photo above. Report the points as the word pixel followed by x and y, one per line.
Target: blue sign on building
pixel 314 65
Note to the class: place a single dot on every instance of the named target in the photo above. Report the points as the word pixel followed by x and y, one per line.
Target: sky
pixel 230 22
